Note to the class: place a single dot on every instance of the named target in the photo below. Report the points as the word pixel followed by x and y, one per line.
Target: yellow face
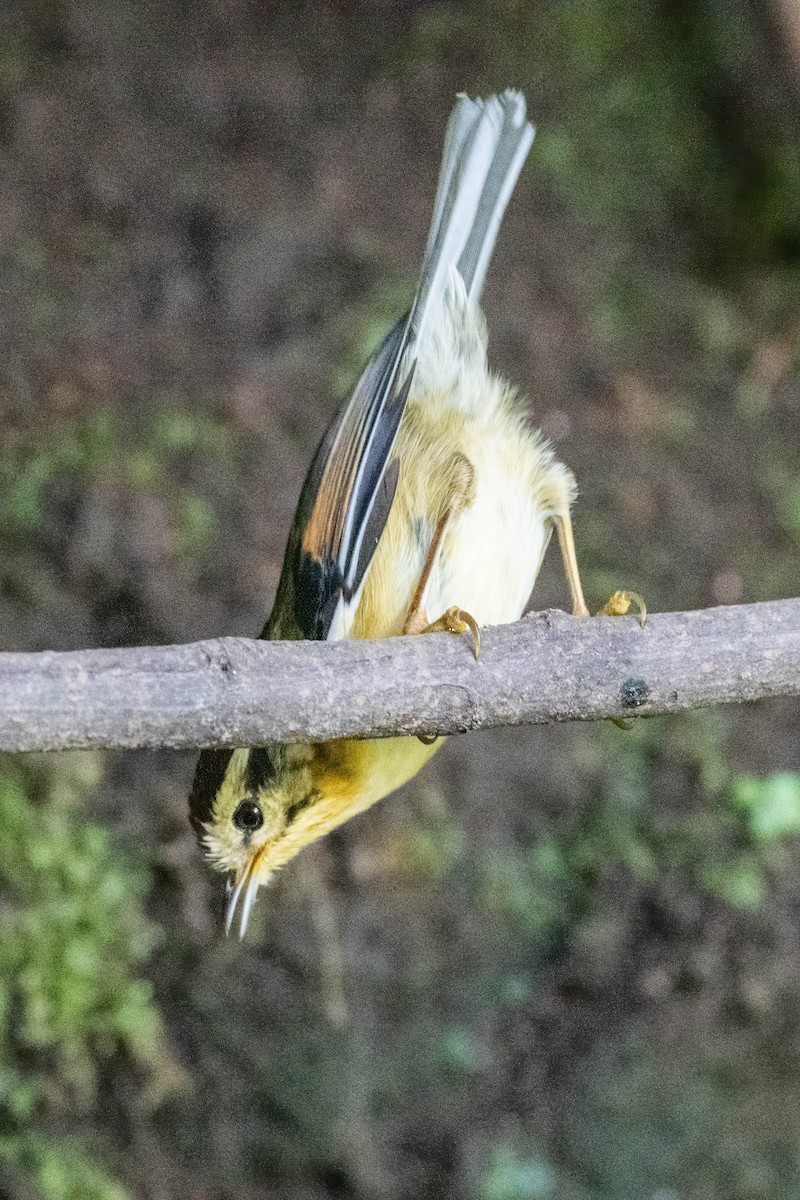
pixel 252 827
pixel 273 801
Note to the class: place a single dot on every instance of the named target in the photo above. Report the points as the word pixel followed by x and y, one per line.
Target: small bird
pixel 428 507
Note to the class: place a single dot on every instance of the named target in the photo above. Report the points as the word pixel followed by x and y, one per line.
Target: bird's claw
pixel 618 605
pixel 457 621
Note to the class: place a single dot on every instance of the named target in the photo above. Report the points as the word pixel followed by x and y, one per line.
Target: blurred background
pixel 564 963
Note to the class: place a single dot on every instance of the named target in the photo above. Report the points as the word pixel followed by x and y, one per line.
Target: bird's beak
pixel 246 882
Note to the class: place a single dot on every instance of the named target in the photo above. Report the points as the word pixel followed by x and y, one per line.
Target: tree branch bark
pixel 547 667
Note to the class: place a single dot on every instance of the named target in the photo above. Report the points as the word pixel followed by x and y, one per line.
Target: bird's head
pixel 258 820
pixel 254 810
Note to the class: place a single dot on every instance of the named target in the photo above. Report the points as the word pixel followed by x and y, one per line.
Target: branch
pixel 547 667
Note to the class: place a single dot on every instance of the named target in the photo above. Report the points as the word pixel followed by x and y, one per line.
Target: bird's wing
pixel 350 487
pixel 345 502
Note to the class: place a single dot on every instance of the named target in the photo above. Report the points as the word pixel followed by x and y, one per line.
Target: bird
pixel 428 506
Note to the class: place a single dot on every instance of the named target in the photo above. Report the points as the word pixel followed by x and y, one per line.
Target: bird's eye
pixel 248 817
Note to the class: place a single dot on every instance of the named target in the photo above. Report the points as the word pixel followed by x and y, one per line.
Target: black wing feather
pixel 346 498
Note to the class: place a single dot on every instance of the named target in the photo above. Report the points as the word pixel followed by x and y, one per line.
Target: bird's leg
pixel 455 619
pixel 417 618
pixel 566 544
pixel 616 606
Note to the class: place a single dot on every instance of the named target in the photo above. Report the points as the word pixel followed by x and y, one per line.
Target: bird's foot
pixel 620 603
pixel 457 621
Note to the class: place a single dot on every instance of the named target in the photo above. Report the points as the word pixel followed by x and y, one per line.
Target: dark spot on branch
pixel 634 693
pixel 220 661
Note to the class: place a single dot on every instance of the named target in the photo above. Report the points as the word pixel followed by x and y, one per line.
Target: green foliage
pixel 670 1118
pixel 772 805
pixel 528 890
pixel 60 1170
pixel 652 1119
pixel 363 328
pixel 433 843
pixel 780 483
pixel 460 1053
pixel 724 840
pixel 152 459
pixel 638 143
pixel 72 940
pixel 509 1175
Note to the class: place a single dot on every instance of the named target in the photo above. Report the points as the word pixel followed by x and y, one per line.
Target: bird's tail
pixel 485 146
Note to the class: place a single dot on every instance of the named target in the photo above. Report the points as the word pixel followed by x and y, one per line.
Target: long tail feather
pixel 485 146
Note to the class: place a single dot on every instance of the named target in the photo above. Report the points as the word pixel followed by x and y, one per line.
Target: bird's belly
pixel 490 555
pixel 495 535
